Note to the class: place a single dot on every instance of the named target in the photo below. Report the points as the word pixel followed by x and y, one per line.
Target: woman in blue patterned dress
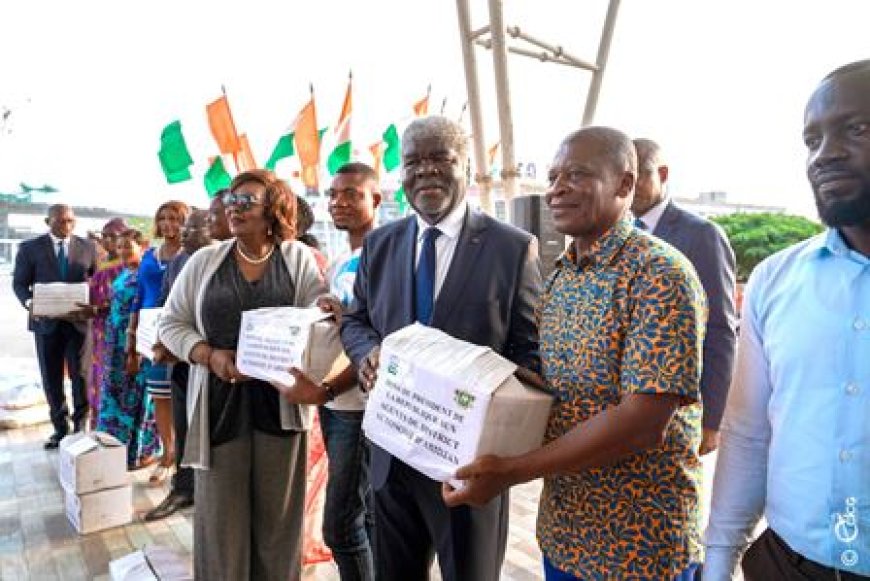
pixel 125 410
pixel 167 227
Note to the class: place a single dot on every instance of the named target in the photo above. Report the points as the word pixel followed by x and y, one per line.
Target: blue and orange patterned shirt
pixel 626 318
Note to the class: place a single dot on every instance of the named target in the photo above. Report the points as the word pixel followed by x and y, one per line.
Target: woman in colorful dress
pixel 101 287
pixel 125 410
pixel 168 221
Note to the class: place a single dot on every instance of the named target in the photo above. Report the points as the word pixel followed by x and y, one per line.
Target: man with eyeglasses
pixel 57 256
pixel 195 234
pixel 218 227
pixel 472 277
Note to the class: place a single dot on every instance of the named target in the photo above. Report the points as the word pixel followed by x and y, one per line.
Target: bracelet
pixel 329 390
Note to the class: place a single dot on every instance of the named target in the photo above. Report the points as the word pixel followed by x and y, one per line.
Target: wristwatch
pixel 328 389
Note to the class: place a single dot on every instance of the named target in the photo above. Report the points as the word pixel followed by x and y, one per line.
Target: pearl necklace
pixel 250 260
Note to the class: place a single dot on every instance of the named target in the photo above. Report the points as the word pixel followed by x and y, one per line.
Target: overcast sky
pixel 720 83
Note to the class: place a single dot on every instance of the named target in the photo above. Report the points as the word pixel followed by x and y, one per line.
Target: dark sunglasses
pixel 242 201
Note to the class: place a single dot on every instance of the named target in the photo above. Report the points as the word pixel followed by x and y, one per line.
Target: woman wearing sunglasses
pixel 248 444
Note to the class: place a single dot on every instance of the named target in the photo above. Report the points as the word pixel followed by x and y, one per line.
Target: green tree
pixel 754 237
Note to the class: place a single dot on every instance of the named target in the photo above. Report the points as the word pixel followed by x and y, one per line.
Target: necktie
pixel 62 263
pixel 424 281
pixel 639 224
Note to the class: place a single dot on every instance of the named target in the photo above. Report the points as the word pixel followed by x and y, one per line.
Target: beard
pixel 839 213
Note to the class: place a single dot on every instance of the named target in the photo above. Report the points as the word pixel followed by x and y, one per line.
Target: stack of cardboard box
pixel 97 490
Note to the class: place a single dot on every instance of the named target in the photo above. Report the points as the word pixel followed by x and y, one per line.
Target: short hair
pixel 135 235
pixel 279 204
pixel 56 209
pixel 358 168
pixel 304 217
pixel 439 127
pixel 201 212
pixel 862 66
pixel 176 206
pixel 648 152
pixel 613 144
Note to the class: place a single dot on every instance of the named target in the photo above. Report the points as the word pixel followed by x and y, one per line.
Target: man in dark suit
pixel 58 256
pixel 473 277
pixel 709 251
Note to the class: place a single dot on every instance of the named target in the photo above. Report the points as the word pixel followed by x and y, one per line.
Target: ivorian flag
pixel 401 200
pixel 283 149
pixel 174 157
pixel 308 143
pixel 421 107
pixel 222 126
pixel 393 150
pixel 342 152
pixel 216 178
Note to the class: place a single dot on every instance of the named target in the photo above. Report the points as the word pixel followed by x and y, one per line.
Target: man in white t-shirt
pixel 354 197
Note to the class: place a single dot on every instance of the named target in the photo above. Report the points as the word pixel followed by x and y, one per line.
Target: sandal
pixel 163 470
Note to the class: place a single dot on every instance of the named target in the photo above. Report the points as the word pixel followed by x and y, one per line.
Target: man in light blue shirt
pixel 796 434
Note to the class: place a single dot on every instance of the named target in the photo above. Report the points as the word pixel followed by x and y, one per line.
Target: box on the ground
pixel 103 509
pixel 56 299
pixel 152 563
pixel 273 339
pixel 94 461
pixel 146 331
pixel 440 402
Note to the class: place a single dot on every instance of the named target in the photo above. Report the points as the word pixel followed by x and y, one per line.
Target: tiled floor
pixel 37 542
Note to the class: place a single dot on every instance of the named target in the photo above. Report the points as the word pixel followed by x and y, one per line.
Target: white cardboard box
pixel 152 563
pixel 439 403
pixel 94 461
pixel 55 299
pixel 103 509
pixel 273 339
pixel 146 331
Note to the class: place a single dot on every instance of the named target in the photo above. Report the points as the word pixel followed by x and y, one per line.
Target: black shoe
pixel 170 505
pixel 53 441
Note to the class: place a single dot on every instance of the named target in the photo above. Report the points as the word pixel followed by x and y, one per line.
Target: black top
pixel 236 409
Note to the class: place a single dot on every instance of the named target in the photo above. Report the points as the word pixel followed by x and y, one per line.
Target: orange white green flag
pixel 343 150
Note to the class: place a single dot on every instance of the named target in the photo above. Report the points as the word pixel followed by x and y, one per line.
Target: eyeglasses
pixel 243 201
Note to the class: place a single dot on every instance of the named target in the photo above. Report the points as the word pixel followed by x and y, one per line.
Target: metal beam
pixel 482 177
pixel 509 172
pixel 600 63
pixel 558 51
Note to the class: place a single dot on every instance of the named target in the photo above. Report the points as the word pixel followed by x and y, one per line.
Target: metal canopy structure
pixel 494 36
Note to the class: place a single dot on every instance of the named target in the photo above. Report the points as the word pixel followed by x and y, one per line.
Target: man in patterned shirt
pixel 621 325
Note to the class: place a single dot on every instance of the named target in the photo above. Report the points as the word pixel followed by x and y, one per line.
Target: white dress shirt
pixel 445 244
pixel 55 243
pixel 653 215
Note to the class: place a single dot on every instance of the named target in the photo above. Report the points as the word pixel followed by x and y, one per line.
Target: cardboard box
pixel 152 563
pixel 56 299
pixel 90 462
pixel 439 403
pixel 146 331
pixel 272 340
pixel 103 509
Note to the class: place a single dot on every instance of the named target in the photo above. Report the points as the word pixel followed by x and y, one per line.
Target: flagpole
pixel 443 105
pixel 233 121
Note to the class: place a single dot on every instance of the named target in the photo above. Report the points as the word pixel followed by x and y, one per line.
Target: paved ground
pixel 37 542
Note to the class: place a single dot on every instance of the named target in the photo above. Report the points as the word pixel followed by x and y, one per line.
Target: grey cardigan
pixel 181 328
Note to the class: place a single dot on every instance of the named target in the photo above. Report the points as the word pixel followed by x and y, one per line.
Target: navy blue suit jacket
pixel 36 262
pixel 488 298
pixel 707 248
